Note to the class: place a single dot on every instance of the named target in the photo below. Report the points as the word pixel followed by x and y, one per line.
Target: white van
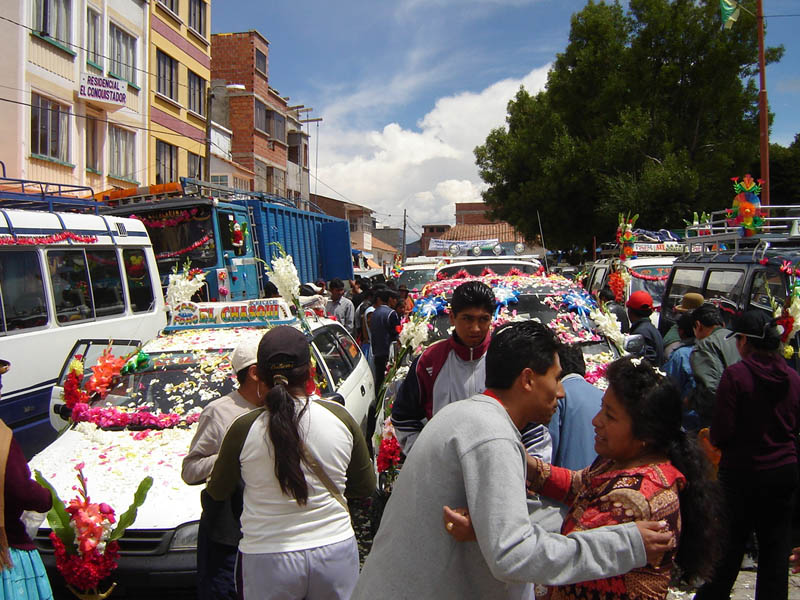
pixel 64 277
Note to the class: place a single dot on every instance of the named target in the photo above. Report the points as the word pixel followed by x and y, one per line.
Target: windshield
pixel 477 268
pixel 174 382
pixel 416 279
pixel 654 287
pixel 180 234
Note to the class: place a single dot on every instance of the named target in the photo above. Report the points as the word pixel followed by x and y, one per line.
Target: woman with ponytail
pixel 647 469
pixel 298 458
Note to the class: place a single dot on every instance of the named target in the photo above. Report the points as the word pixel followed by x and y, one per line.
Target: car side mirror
pixel 63 411
pixel 634 344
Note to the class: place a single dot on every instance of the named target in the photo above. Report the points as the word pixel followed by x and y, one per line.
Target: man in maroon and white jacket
pixel 448 370
pixel 453 369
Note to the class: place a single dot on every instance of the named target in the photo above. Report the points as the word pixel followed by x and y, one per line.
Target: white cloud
pixel 426 169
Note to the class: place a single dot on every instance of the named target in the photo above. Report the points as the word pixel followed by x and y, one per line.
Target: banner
pixel 444 245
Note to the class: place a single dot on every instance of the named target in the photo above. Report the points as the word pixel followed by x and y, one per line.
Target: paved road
pixel 745 588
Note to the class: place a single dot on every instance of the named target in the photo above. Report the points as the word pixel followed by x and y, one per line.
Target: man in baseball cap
pixel 219 532
pixel 640 307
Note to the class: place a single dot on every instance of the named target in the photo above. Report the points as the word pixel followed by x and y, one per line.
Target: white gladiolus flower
pixel 284 275
pixel 414 333
pixel 609 326
pixel 181 288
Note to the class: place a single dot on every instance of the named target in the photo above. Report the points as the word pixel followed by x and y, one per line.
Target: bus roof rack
pixel 29 194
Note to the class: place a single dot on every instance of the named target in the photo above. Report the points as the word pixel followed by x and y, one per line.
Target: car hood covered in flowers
pixel 145 424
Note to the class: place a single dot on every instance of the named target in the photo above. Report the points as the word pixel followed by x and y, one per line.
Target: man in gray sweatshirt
pixel 470 455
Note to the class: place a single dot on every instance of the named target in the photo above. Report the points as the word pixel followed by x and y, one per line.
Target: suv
pixel 179 372
pixel 736 273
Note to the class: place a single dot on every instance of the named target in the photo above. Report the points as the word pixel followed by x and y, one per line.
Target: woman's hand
pixel 794 560
pixel 657 539
pixel 458 524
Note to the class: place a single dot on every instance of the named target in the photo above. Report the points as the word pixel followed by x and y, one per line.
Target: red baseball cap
pixel 640 300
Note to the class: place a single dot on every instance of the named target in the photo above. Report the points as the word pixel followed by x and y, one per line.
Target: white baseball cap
pixel 244 355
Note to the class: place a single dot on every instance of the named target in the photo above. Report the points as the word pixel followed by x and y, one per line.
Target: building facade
pixel 179 55
pixel 268 138
pixel 75 95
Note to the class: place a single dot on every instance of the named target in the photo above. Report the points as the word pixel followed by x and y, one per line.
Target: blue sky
pixel 407 88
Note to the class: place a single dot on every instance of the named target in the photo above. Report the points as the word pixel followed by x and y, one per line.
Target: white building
pixel 74 89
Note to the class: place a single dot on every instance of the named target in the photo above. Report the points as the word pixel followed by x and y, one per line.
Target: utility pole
pixel 404 236
pixel 763 116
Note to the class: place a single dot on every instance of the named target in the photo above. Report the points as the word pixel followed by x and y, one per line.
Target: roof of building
pixel 380 245
pixel 503 231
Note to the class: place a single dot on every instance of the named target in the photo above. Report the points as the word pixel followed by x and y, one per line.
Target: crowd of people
pixel 520 478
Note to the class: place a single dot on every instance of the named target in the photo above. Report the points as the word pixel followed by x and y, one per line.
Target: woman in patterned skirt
pixel 647 469
pixel 22 574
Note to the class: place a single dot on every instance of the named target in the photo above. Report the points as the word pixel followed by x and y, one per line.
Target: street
pixel 745 588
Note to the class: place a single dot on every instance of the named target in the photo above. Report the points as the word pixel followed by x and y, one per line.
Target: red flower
pixel 388 454
pixel 398 328
pixel 86 571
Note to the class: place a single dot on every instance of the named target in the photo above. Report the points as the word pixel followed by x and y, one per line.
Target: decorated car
pixel 130 412
pixel 554 300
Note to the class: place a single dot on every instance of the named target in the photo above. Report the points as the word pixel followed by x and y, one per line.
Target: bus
pixel 65 276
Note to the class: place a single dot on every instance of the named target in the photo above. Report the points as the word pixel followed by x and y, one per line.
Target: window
pixel 261 62
pixel 22 290
pixel 598 280
pixel 49 128
pixel 106 282
pixel 197 16
pixel 53 18
pixel 122 150
pixel 170 4
pixel 219 180
pixel 241 184
pixel 261 117
pixel 683 281
pixel 70 280
pixel 294 155
pixel 724 288
pixel 140 288
pixel 333 356
pixel 92 160
pixel 167 75
pixel 765 284
pixel 197 89
pixel 277 126
pixel 276 181
pixel 94 40
pixel 122 48
pixel 195 165
pixel 166 162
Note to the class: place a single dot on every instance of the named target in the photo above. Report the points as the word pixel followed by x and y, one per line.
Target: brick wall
pixel 471 213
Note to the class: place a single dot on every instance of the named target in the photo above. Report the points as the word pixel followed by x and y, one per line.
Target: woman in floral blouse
pixel 648 469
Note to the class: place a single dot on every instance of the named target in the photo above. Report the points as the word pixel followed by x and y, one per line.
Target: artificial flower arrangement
pixel 746 212
pixel 625 235
pixel 107 369
pixel 183 285
pixel 788 314
pixel 397 266
pixel 84 536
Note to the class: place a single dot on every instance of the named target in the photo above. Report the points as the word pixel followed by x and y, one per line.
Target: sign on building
pixel 439 244
pixel 111 93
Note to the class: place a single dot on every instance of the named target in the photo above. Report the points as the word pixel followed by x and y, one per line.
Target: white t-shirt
pixel 274 522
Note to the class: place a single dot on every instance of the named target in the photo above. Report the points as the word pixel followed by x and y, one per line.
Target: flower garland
pixel 56 238
pixel 84 537
pixel 648 277
pixel 167 221
pixel 788 315
pixel 183 251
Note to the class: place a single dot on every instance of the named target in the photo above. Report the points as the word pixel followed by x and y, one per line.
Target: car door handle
pixel 363 391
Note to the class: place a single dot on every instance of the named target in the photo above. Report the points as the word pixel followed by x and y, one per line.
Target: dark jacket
pixel 710 357
pixel 653 343
pixel 755 420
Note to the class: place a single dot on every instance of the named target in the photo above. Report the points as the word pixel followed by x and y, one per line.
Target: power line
pixel 79 47
pixel 124 125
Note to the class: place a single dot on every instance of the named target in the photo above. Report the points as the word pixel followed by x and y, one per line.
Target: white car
pixel 179 372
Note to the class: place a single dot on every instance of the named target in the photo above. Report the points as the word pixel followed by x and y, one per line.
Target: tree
pixel 649 110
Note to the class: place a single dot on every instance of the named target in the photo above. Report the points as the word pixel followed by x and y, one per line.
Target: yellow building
pixel 180 68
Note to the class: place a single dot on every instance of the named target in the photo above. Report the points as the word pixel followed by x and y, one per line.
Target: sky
pixel 408 88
